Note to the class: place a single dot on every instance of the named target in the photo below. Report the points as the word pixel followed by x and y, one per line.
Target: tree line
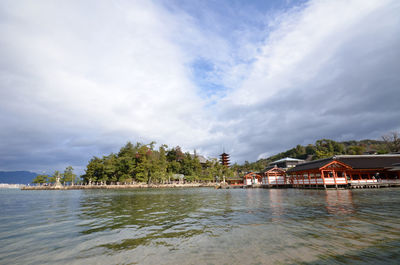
pixel 144 163
pixel 67 177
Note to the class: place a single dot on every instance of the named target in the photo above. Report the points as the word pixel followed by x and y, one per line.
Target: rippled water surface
pixel 200 226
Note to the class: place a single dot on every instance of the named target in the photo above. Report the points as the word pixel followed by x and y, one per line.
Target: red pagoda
pixel 224 159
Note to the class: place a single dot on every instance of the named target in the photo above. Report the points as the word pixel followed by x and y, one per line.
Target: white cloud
pixel 81 78
pixel 91 71
pixel 324 71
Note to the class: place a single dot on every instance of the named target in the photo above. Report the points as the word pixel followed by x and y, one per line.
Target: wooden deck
pixel 376 185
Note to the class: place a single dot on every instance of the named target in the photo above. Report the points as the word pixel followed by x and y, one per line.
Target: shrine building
pixel 346 170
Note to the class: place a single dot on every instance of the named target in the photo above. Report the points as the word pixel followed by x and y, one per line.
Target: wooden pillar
pixel 309 179
pixel 323 178
pixel 334 178
pixel 316 179
pixel 269 184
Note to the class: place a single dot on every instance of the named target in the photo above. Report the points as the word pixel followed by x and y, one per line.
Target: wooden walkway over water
pixel 358 185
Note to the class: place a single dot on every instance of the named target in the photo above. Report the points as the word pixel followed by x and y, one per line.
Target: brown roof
pixel 355 161
pixel 273 167
pixel 234 178
pixel 269 168
pixel 311 165
pixel 369 161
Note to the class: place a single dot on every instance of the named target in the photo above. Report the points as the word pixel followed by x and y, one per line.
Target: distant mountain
pixel 17 177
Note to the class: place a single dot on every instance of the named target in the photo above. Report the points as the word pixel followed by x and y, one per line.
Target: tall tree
pixel 40 179
pixel 68 175
pixel 392 142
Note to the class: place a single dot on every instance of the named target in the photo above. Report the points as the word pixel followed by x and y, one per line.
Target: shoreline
pixel 199 185
pixel 127 186
pixel 11 186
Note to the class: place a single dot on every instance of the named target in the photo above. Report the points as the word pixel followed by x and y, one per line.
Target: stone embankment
pixel 127 186
pixel 11 186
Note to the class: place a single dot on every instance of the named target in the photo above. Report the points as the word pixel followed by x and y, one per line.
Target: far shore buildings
pixel 333 172
pixel 286 163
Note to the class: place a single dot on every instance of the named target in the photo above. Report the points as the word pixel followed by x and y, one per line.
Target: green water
pixel 200 226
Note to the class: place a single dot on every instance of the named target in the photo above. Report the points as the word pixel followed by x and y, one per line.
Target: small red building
pixel 252 179
pixel 274 176
pixel 235 181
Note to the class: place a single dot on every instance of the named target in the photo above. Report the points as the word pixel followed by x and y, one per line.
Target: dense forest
pixel 142 163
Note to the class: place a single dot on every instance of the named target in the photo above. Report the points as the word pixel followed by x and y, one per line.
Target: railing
pixel 363 181
pixel 389 181
pixel 320 181
pixel 339 181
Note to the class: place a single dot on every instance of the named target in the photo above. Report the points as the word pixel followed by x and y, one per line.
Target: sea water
pixel 200 226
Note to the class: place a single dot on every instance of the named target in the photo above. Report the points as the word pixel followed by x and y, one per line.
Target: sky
pixel 253 78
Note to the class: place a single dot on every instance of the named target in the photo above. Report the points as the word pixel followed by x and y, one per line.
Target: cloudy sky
pixel 81 78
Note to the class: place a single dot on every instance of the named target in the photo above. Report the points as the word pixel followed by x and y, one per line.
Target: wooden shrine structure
pixel 274 177
pixel 252 179
pixel 347 170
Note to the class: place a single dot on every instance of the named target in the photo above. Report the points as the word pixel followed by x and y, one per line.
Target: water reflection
pixel 152 217
pixel 339 201
pixel 276 204
pixel 200 226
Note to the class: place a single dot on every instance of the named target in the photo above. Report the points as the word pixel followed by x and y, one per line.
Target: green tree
pixel 68 175
pixel 40 179
pixel 162 164
pixel 109 174
pixel 51 180
pixel 125 167
pixel 129 150
pixel 142 165
pixel 355 150
pixel 94 171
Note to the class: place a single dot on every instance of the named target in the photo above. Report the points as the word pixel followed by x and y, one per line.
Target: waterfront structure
pixel 224 159
pixel 345 170
pixel 286 163
pixel 252 179
pixel 274 176
pixel 235 181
